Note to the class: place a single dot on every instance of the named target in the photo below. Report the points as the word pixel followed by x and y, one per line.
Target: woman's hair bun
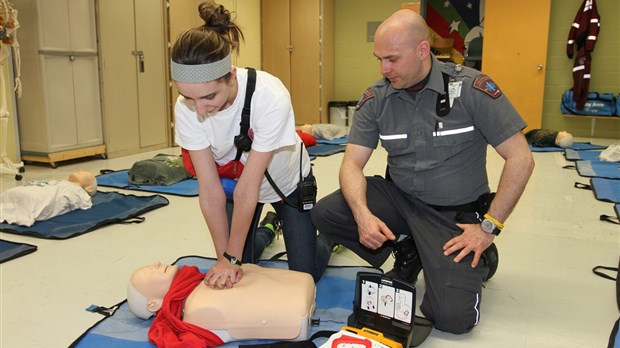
pixel 216 17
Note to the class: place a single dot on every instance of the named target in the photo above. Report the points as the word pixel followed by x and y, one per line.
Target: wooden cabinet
pixel 134 71
pixel 298 48
pixel 59 112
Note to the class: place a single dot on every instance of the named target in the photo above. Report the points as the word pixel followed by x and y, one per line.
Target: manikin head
pixel 86 180
pixel 306 128
pixel 564 139
pixel 147 287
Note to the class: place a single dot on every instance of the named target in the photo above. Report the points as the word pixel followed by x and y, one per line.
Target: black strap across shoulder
pixel 243 142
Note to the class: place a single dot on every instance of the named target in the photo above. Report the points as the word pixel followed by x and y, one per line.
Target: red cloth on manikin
pixel 307 139
pixel 168 330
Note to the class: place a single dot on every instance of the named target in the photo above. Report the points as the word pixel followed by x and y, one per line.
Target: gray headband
pixel 200 72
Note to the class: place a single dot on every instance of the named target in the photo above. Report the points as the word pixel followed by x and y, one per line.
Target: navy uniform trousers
pixel 453 290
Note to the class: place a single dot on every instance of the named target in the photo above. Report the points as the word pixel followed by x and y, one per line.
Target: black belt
pixel 467 207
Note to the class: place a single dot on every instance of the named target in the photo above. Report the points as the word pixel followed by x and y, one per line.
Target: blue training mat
pixel 120 179
pixel 12 250
pixel 108 208
pixel 325 149
pixel 338 141
pixel 577 146
pixel 334 303
pixel 573 155
pixel 187 188
pixel 599 169
pixel 607 190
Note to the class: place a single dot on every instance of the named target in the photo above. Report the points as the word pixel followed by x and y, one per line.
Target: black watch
pixel 490 227
pixel 233 260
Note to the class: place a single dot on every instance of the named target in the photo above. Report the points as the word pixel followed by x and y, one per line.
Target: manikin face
pixel 85 179
pixel 153 281
pixel 208 98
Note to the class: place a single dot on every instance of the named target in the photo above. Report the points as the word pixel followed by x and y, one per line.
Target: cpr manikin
pixel 267 303
pixel 44 199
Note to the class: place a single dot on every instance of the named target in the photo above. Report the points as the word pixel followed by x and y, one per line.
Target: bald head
pixel 402 47
pixel 405 24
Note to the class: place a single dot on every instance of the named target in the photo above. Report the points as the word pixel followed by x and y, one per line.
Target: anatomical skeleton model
pixel 8 37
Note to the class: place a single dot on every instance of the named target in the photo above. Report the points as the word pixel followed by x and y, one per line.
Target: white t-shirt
pixel 41 200
pixel 272 125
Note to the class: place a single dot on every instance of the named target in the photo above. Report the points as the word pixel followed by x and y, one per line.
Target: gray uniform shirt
pixel 439 160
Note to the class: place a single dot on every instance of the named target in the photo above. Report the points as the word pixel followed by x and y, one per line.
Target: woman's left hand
pixel 223 275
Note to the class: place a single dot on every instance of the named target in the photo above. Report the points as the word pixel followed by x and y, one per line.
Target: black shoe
pixel 271 219
pixel 491 256
pixel 407 264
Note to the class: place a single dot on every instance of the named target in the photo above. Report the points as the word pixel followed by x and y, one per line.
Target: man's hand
pixel 473 239
pixel 373 232
pixel 223 275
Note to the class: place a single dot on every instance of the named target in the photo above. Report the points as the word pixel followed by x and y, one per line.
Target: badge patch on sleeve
pixel 365 97
pixel 485 84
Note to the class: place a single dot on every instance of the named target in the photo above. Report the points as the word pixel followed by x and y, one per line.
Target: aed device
pixel 384 305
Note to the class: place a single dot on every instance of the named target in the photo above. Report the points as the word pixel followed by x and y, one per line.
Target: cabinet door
pixel 305 61
pixel 87 99
pixel 59 106
pixel 515 57
pixel 118 74
pixel 151 75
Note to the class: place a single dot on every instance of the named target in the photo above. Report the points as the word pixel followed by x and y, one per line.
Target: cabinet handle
pixel 141 62
pixel 140 56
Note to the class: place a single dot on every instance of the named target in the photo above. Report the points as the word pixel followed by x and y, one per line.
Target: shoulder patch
pixel 365 97
pixel 488 86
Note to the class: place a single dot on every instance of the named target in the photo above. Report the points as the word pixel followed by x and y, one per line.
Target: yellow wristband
pixel 497 223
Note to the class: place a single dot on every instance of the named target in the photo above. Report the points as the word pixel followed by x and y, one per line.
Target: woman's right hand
pixel 223 275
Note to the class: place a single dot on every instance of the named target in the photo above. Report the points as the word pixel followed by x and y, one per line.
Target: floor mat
pixel 607 190
pixel 339 141
pixel 334 301
pixel 574 155
pixel 12 250
pixel 325 149
pixel 600 169
pixel 119 179
pixel 577 146
pixel 108 208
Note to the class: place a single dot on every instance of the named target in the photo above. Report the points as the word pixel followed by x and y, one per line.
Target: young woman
pixel 208 115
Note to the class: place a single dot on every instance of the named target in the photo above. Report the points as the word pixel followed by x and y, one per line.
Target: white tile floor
pixel 543 295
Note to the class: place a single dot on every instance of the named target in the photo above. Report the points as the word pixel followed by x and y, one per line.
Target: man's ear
pixel 153 305
pixel 424 49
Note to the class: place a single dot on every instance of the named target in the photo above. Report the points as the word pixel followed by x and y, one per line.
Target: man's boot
pixel 407 264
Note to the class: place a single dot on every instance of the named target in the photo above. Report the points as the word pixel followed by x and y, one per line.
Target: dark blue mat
pixel 599 169
pixel 325 149
pixel 334 303
pixel 577 146
pixel 119 179
pixel 573 155
pixel 12 250
pixel 108 208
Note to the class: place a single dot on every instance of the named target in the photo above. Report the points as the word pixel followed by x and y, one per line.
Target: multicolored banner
pixel 462 20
